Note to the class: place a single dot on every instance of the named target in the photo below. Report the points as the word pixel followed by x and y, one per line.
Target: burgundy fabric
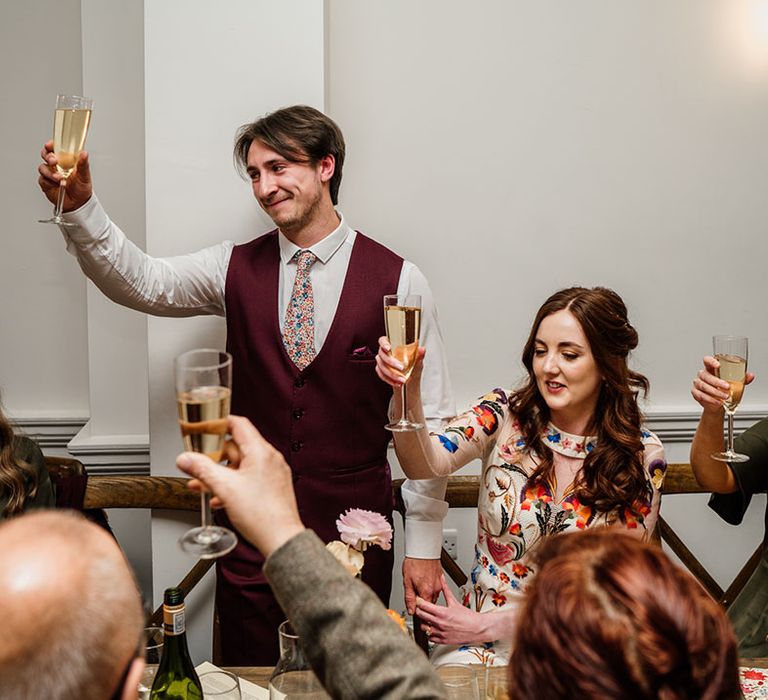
pixel 327 420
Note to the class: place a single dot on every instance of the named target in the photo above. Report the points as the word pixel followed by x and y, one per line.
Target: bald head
pixel 70 609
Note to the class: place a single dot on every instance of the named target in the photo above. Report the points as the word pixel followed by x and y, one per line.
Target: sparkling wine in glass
pixel 203 393
pixel 70 127
pixel 402 317
pixel 731 352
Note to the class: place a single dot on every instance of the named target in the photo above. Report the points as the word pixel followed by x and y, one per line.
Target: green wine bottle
pixel 176 677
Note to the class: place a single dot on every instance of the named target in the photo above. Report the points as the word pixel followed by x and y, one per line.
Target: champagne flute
pixel 402 317
pixel 459 681
pixel 203 393
pixel 731 352
pixel 70 126
pixel 153 649
pixel 221 685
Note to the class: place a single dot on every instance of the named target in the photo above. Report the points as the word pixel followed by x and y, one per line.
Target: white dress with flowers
pixel 514 514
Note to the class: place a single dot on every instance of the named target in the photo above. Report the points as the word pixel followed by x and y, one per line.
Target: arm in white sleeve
pixel 185 285
pixel 424 499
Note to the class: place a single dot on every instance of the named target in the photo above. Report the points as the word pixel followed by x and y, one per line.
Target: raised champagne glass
pixel 70 127
pixel 731 352
pixel 203 393
pixel 402 317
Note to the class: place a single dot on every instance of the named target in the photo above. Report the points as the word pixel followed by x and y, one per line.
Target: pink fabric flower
pixel 360 528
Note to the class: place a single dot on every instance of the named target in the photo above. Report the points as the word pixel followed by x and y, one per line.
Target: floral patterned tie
pixel 299 329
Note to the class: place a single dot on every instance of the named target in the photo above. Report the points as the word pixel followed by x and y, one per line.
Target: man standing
pixel 72 617
pixel 304 311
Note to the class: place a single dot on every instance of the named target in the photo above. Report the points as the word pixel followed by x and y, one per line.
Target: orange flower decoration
pixel 499 600
pixel 533 494
pixel 583 513
pixel 520 570
pixel 398 619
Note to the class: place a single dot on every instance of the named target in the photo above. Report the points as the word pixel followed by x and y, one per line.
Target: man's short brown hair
pixel 300 134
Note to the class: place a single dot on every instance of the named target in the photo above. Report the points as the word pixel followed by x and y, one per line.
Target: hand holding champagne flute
pixel 70 127
pixel 402 317
pixel 731 353
pixel 203 392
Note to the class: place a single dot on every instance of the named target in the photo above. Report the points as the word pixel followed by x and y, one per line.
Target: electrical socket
pixel 450 543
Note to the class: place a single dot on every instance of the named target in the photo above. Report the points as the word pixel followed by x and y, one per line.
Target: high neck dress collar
pixel 569 445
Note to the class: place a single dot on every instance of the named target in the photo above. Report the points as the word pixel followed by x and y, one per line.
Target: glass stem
pixel 730 431
pixel 60 200
pixel 403 418
pixel 205 509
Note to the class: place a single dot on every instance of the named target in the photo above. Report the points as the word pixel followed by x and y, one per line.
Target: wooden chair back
pixel 462 492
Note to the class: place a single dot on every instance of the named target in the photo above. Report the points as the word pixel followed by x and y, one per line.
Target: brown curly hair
pixel 609 616
pixel 18 480
pixel 612 476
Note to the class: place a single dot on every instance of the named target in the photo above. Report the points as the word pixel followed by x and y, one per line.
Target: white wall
pixel 43 348
pixel 514 148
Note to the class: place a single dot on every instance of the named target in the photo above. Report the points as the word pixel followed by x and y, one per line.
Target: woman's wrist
pixel 497 625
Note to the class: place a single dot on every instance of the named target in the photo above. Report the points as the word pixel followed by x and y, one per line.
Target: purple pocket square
pixel 364 351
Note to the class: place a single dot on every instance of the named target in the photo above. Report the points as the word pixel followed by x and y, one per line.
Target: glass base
pixel 403 426
pixel 58 221
pixel 730 457
pixel 208 542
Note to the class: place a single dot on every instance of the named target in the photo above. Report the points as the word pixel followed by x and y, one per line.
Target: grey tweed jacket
pixel 355 649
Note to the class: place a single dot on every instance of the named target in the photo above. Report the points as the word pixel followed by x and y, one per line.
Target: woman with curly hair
pixel 611 617
pixel 24 480
pixel 566 451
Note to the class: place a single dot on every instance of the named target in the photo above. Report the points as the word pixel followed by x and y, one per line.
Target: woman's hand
pixel 455 624
pixel 708 389
pixel 390 369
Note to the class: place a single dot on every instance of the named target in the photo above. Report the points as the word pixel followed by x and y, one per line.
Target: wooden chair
pixel 462 492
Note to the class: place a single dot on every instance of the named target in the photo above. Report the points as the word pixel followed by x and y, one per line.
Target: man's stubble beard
pixel 303 219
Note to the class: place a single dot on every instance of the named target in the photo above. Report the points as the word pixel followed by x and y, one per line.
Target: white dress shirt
pixel 194 284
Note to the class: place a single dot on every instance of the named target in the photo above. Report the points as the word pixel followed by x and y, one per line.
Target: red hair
pixel 609 616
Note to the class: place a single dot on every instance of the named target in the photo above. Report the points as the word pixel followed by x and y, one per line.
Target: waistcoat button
pixel 296 446
pixel 298 413
pixel 299 382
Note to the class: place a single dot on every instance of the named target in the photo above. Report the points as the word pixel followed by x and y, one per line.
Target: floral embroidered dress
pixel 514 514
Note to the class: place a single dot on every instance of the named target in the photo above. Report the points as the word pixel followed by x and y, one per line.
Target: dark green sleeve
pixel 27 450
pixel 751 476
pixel 354 648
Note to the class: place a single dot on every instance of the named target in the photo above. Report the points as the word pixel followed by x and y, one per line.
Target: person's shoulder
pixel 263 239
pixel 757 430
pixel 649 439
pixel 372 246
pixel 26 448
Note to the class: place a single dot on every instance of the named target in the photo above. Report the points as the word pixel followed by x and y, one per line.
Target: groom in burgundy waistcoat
pixel 323 408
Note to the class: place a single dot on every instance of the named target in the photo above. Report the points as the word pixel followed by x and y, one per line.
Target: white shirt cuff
pixel 91 220
pixel 425 511
pixel 423 540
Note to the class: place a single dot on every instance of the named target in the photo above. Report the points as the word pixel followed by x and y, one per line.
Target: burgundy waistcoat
pixel 327 420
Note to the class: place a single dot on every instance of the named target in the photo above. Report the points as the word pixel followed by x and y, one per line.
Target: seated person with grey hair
pixel 70 609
